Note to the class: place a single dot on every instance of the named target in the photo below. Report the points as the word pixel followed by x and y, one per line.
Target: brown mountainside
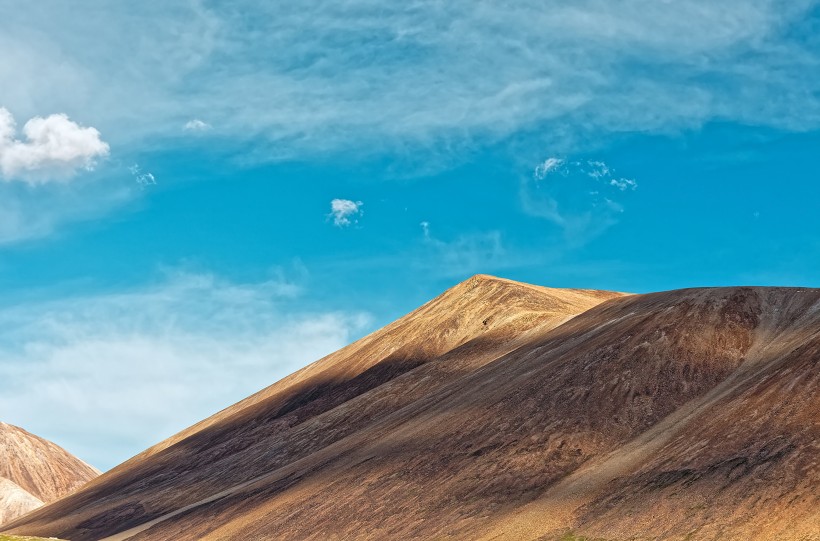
pixel 492 413
pixel 34 470
pixel 14 501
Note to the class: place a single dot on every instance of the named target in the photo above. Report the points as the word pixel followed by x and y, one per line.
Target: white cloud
pixel 143 179
pixel 108 375
pixel 598 169
pixel 549 165
pixel 196 125
pixel 467 253
pixel 623 183
pixel 310 77
pixel 581 197
pixel 425 228
pixel 146 179
pixel 55 148
pixel 27 214
pixel 345 212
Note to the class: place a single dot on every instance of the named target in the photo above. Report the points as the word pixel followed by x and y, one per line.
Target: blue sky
pixel 197 200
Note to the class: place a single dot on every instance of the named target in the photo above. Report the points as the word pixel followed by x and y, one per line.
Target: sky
pixel 198 198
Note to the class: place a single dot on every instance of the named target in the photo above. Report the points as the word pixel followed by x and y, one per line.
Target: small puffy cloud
pixel 598 169
pixel 196 125
pixel 549 165
pixel 54 148
pixel 345 212
pixel 601 171
pixel 623 183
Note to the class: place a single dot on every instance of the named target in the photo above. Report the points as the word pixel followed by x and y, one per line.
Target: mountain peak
pixel 500 410
pixel 478 278
pixel 482 310
pixel 34 470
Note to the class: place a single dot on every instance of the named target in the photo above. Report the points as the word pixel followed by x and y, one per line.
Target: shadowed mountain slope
pixel 471 324
pixel 491 412
pixel 33 471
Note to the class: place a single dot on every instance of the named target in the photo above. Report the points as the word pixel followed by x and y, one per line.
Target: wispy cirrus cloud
pixel 132 367
pixel 425 228
pixel 548 166
pixel 322 77
pixel 583 198
pixel 466 253
pixel 28 213
pixel 286 81
pixel 143 178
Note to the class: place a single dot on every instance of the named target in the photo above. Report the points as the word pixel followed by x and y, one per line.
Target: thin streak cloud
pixel 583 198
pixel 110 367
pixel 313 77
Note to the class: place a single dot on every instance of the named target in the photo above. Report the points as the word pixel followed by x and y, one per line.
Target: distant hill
pixel 498 411
pixel 34 471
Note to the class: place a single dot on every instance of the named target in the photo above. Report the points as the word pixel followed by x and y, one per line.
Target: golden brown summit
pixel 502 410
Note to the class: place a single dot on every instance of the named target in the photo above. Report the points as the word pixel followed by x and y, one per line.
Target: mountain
pixel 502 410
pixel 34 471
pixel 14 501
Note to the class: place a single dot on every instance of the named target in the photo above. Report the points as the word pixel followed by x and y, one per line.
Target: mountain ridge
pixel 35 471
pixel 577 298
pixel 494 430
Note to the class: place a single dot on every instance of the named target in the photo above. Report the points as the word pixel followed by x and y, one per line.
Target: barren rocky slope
pixel 490 413
pixel 33 471
pixel 14 501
